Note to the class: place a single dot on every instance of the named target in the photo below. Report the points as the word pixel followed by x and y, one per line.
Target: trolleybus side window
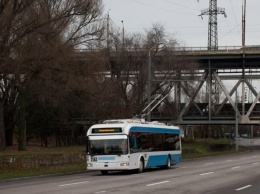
pixel 140 141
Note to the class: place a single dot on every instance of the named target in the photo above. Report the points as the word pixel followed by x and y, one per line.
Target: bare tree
pixel 37 39
pixel 128 67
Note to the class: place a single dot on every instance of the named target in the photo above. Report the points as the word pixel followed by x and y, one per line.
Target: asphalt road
pixel 236 173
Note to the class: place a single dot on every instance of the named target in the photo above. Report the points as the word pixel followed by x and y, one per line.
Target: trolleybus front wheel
pixel 104 172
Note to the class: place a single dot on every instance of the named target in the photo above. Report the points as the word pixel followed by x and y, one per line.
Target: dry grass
pixel 37 150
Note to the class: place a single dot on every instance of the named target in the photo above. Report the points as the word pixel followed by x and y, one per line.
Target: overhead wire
pixel 171 11
pixel 225 32
pixel 200 8
pixel 234 14
pixel 180 5
pixel 230 30
pixel 229 27
pixel 159 8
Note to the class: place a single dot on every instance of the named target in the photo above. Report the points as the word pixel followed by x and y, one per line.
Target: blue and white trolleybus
pixel 130 144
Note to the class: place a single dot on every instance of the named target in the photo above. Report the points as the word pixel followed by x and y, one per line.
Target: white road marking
pixel 229 160
pixel 255 163
pixel 209 163
pixel 206 173
pixel 73 183
pixel 243 158
pixel 236 167
pixel 101 192
pixel 157 183
pixel 239 189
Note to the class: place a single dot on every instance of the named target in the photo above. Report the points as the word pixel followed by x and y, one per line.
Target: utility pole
pixel 236 121
pixel 108 48
pixel 243 46
pixel 243 23
pixel 108 19
pixel 213 11
pixel 149 81
pixel 123 31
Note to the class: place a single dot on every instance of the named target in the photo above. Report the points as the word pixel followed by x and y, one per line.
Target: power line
pixel 180 5
pixel 162 9
pixel 234 14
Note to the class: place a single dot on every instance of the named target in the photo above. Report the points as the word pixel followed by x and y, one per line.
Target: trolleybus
pixel 130 144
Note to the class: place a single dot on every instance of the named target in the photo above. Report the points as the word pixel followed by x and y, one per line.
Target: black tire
pixel 169 162
pixel 141 166
pixel 168 165
pixel 104 172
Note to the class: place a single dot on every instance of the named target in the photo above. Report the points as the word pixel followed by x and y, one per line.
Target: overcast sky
pixel 180 18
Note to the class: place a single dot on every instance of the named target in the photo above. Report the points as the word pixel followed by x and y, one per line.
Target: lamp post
pixel 149 82
pixel 236 123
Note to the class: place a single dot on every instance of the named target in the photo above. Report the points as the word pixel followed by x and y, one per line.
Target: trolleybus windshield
pixel 115 145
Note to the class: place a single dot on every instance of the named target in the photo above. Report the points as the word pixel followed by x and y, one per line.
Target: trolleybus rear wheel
pixel 168 163
pixel 141 166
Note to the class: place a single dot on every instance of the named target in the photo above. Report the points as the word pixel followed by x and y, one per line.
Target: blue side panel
pixel 160 160
pixel 154 130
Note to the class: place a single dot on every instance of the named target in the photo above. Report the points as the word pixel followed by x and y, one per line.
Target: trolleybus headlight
pixel 89 164
pixel 124 164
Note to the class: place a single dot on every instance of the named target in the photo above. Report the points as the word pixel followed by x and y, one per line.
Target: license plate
pixel 93 159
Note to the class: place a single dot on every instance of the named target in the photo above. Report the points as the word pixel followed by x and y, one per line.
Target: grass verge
pixel 203 149
pixel 191 149
pixel 9 174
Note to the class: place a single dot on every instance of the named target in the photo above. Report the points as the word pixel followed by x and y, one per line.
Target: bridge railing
pixel 220 48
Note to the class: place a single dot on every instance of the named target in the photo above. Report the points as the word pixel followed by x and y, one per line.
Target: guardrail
pixel 220 48
pixel 250 49
pixel 181 48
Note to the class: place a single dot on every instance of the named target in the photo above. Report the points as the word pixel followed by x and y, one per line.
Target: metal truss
pixel 227 109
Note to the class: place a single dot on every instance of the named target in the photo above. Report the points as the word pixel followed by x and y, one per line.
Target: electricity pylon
pixel 213 11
